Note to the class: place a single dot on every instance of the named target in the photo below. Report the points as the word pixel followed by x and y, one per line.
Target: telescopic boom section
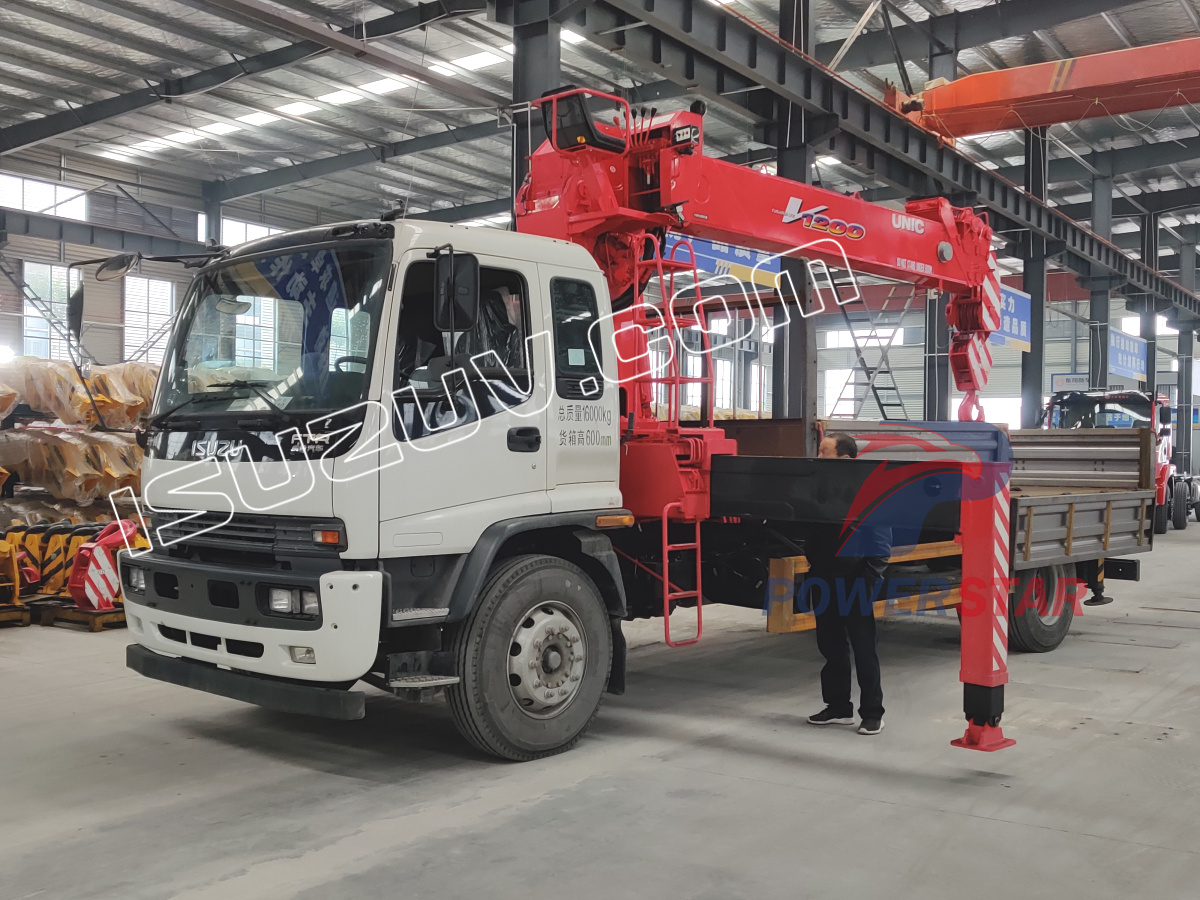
pixel 608 176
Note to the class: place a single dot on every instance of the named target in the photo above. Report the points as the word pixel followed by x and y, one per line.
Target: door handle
pixel 524 440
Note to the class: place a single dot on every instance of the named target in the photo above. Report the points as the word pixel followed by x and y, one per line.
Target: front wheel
pixel 1042 608
pixel 534 658
pixel 1179 506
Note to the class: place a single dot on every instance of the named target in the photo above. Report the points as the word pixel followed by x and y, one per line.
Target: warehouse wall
pixel 103 306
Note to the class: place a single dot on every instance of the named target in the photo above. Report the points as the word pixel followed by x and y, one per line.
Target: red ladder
pixel 666 270
pixel 670 592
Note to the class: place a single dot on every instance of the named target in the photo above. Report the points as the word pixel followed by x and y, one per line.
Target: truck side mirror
pixel 1164 415
pixel 117 266
pixel 456 290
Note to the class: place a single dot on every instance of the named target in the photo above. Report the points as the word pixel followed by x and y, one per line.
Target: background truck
pixel 428 456
pixel 1176 493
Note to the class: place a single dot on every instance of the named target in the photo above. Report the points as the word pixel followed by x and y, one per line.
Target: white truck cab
pixel 388 450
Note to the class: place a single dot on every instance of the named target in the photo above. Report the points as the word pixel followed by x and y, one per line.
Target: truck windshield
pixel 1126 413
pixel 284 332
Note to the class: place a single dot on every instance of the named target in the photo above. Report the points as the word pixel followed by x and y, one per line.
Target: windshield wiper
pixel 162 417
pixel 215 396
pixel 257 387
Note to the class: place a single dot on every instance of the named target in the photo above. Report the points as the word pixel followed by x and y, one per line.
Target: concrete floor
pixel 701 782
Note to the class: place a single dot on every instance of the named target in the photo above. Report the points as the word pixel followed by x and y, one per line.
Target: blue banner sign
pixel 713 258
pixel 1126 355
pixel 1014 320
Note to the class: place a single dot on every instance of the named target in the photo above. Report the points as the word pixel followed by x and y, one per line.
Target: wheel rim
pixel 1055 598
pixel 546 658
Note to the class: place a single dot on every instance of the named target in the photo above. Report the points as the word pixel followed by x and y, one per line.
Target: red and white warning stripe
pixel 990 296
pixel 1000 507
pixel 101 585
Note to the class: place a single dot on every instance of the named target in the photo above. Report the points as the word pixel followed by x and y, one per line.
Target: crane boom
pixel 605 179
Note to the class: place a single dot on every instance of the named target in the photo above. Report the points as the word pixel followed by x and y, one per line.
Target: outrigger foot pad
pixel 986 737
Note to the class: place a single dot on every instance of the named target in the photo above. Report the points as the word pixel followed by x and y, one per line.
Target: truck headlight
pixel 293 601
pixel 310 603
pixel 136 579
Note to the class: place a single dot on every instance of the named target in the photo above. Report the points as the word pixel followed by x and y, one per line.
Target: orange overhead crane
pixel 1088 87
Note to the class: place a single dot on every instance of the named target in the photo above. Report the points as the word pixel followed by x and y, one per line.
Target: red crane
pixel 616 185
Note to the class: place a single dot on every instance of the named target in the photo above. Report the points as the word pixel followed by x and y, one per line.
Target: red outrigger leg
pixel 984 670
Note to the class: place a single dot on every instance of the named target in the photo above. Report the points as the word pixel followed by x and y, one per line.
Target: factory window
pixel 254 334
pixel 149 304
pixel 52 285
pixel 695 369
pixel 235 231
pixel 43 197
pixel 839 393
pixel 723 383
pixel 841 338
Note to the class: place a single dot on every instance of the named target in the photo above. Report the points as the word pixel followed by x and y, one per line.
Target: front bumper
pixel 269 693
pixel 345 641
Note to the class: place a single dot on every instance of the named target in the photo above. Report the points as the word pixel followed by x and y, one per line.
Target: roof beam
pixel 84 234
pixel 1147 202
pixel 276 178
pixel 356 47
pixel 961 30
pixel 470 211
pixel 27 134
pixel 1124 161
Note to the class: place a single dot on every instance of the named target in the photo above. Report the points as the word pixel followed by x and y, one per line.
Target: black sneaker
pixel 828 717
pixel 870 726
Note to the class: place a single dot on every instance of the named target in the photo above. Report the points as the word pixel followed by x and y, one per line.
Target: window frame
pixel 30 314
pixel 146 327
pixel 478 390
pixel 561 378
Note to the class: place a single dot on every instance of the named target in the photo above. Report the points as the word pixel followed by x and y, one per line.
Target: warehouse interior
pixel 161 130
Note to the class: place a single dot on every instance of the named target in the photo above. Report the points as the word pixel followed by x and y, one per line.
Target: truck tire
pixel 1179 506
pixel 1162 517
pixel 539 617
pixel 1034 626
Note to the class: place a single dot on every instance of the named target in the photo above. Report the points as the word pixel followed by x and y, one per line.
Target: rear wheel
pixel 1040 612
pixel 1162 517
pixel 1179 506
pixel 534 659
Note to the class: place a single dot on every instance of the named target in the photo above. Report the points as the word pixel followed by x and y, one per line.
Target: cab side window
pixel 431 396
pixel 577 365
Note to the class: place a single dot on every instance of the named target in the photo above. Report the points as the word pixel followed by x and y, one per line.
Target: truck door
pixel 468 413
pixel 584 428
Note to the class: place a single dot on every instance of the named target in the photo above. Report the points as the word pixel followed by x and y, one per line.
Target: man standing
pixel 845 591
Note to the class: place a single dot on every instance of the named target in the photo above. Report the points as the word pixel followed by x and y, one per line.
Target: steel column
pixel 1187 334
pixel 1148 311
pixel 537 65
pixel 1034 282
pixel 942 63
pixel 1101 296
pixel 794 361
pixel 212 220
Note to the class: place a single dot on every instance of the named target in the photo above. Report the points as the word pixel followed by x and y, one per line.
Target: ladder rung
pixel 671 547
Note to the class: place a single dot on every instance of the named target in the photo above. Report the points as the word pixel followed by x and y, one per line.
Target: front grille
pixel 252 532
pixel 245 533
